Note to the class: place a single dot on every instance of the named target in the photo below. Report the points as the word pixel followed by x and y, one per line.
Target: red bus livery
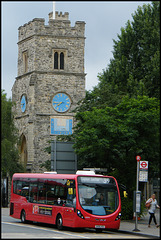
pixel 72 200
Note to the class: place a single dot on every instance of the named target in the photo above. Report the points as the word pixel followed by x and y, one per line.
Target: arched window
pixel 61 60
pixel 25 61
pixel 23 151
pixel 55 60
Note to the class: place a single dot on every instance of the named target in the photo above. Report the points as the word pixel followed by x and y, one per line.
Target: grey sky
pixel 104 20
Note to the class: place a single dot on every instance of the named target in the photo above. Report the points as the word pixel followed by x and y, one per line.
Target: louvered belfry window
pixel 58 59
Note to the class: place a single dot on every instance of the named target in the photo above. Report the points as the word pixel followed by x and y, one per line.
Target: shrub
pixel 126 208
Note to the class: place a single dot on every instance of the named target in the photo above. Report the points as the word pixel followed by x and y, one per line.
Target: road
pixel 13 229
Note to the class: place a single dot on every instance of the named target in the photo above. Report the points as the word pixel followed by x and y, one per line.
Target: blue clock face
pixel 61 102
pixel 23 103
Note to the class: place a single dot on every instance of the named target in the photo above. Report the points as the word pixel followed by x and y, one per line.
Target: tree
pixel 9 139
pixel 107 129
pixel 135 67
pixel 113 136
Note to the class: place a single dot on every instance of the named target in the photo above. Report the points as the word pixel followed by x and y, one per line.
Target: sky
pixel 103 19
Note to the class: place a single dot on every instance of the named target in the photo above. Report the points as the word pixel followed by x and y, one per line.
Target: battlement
pixel 59 16
pixel 60 26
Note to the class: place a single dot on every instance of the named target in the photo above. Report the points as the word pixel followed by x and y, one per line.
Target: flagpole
pixel 53 10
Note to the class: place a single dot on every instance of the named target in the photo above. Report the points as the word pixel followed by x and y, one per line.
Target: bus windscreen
pixel 98 195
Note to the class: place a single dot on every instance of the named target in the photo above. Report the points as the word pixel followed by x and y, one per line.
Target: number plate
pixel 99 226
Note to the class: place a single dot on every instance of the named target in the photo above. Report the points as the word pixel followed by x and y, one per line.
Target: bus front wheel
pixel 59 222
pixel 23 216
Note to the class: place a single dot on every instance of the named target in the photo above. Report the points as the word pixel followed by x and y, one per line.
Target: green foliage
pixel 9 140
pixel 119 118
pixel 46 165
pixel 113 136
pixel 135 68
pixel 126 208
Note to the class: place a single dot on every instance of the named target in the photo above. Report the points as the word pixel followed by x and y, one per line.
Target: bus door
pixel 70 205
pixel 68 216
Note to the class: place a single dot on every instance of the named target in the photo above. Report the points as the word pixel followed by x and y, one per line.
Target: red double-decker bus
pixel 72 200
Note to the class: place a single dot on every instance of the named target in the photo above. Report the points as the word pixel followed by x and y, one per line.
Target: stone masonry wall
pixel 41 81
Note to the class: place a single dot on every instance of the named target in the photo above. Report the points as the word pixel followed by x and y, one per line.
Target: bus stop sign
pixel 138 158
pixel 144 165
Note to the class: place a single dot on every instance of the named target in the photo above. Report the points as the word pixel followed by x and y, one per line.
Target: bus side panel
pixel 48 214
pixel 40 213
pixel 69 215
pixel 45 213
pixel 16 206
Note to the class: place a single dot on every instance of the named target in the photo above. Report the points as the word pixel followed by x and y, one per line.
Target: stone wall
pixel 41 81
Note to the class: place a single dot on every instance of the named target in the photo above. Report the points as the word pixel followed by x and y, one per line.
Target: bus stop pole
pixel 55 169
pixel 52 155
pixel 137 188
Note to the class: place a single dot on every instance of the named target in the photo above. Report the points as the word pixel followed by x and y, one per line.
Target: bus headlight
pixel 118 216
pixel 80 214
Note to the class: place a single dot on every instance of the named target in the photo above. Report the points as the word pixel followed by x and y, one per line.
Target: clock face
pixel 61 102
pixel 23 103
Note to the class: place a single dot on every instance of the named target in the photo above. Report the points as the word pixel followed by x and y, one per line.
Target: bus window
pixel 112 200
pixel 42 192
pixel 98 196
pixel 62 191
pixel 60 194
pixel 17 185
pixel 33 192
pixel 25 189
pixel 50 192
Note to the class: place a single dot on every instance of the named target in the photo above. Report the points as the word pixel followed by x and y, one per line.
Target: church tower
pixel 49 83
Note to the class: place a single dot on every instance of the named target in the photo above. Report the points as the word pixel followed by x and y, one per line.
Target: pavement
pixel 142 225
pixel 128 226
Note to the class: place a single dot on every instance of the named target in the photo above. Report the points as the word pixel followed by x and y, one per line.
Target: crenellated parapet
pixel 59 16
pixel 56 27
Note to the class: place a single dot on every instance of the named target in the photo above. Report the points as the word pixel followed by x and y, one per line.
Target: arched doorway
pixel 23 151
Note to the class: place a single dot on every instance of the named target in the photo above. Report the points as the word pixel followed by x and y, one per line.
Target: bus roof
pixel 53 175
pixel 44 175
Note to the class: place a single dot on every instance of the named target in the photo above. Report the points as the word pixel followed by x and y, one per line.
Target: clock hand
pixel 60 103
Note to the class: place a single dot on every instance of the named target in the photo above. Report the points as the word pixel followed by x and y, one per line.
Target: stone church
pixel 49 83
